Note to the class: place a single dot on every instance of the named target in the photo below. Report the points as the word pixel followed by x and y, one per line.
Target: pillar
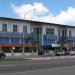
pixel 23 53
pixel 12 51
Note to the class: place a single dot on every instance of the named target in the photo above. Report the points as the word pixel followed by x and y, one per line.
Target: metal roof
pixel 15 19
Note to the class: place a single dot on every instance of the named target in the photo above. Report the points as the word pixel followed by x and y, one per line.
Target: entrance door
pixel 38 39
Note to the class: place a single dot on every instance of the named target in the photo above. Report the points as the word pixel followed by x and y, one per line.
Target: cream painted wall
pixel 49 26
pixel 0 25
pixel 18 23
pixel 72 31
pixel 30 27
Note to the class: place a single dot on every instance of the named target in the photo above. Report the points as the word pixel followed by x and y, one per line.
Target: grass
pixel 14 58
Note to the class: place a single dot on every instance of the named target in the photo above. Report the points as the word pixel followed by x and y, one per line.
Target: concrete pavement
pixel 49 57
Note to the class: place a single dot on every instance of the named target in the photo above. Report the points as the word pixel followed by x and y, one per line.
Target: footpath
pixel 49 57
pixel 20 58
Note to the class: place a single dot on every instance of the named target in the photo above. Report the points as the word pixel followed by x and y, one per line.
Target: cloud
pixel 43 14
pixel 28 11
pixel 65 17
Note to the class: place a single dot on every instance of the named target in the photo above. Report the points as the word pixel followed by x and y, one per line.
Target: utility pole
pixel 23 48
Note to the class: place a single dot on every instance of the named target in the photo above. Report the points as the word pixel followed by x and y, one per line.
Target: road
pixel 41 67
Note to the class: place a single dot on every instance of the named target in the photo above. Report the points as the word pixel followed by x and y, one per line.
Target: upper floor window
pixel 15 28
pixel 64 32
pixel 59 33
pixel 4 27
pixel 70 34
pixel 25 29
pixel 50 31
pixel 37 30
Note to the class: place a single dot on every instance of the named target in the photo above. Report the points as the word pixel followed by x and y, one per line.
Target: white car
pixel 72 52
pixel 60 53
pixel 49 53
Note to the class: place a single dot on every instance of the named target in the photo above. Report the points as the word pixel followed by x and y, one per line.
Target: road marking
pixel 16 73
pixel 6 65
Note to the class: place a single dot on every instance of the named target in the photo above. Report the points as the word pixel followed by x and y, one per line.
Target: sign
pixel 55 45
pixel 13 48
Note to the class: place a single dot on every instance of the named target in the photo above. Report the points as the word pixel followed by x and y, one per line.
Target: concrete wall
pixel 20 54
pixel 72 31
pixel 18 23
pixel 30 27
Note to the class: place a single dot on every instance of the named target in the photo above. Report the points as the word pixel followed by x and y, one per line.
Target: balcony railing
pixel 14 35
pixel 19 38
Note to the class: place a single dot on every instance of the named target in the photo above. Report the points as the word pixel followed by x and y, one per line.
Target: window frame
pixel 50 31
pixel 15 29
pixel 70 33
pixel 24 29
pixel 4 27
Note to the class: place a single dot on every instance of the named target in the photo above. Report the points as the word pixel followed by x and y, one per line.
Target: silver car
pixel 49 53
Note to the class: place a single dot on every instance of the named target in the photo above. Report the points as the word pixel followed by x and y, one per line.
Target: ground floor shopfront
pixel 30 50
pixel 26 49
pixel 18 49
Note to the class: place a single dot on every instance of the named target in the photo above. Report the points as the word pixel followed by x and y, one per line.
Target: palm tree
pixel 62 41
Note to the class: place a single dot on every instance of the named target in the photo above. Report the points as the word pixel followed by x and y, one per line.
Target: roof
pixel 15 19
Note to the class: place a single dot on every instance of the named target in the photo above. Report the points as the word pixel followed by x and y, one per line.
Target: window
pixel 6 49
pixel 4 27
pixel 59 33
pixel 63 32
pixel 70 34
pixel 14 28
pixel 25 29
pixel 27 49
pixel 50 31
pixel 17 50
pixel 37 30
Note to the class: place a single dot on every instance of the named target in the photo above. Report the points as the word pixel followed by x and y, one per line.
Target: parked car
pixel 49 53
pixel 2 54
pixel 60 53
pixel 72 52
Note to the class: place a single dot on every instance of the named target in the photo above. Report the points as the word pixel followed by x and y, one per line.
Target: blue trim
pixel 49 41
pixel 14 34
pixel 17 41
pixel 14 40
pixel 70 39
pixel 4 40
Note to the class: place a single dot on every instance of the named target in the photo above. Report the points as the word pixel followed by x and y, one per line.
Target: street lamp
pixel 28 12
pixel 23 33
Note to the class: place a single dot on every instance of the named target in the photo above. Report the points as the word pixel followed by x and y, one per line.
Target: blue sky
pixel 54 9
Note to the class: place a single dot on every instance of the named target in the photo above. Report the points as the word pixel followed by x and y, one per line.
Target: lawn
pixel 14 58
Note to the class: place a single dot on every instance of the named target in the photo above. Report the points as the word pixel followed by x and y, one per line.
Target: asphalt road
pixel 44 67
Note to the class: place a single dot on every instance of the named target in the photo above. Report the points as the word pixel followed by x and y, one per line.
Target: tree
pixel 62 41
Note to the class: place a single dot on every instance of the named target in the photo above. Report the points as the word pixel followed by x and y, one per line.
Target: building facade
pixel 33 37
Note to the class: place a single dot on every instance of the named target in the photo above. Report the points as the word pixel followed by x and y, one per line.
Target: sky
pixel 52 11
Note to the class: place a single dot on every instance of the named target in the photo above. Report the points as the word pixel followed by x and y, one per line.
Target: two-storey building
pixel 33 37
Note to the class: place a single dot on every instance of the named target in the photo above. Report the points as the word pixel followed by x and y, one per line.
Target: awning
pixel 69 45
pixel 16 45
